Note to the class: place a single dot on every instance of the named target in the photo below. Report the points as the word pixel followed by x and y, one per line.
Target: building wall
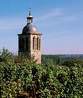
pixel 35 53
pixel 31 53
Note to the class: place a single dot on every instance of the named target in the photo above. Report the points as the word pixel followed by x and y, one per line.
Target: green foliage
pixel 47 80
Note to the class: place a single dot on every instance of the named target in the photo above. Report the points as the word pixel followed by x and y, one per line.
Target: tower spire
pixel 30 17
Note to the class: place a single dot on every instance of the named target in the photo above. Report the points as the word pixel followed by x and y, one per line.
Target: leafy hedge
pixel 19 75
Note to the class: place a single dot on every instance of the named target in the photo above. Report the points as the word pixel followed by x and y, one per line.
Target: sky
pixel 59 21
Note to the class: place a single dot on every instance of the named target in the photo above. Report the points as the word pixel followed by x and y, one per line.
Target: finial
pixel 30 17
pixel 29 11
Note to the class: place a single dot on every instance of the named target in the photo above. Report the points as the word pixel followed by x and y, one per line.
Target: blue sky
pixel 60 21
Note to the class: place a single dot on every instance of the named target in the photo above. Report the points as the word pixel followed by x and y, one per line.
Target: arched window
pixel 33 43
pixel 37 43
pixel 21 44
pixel 27 43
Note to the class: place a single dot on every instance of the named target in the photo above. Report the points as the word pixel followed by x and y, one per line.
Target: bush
pixel 19 76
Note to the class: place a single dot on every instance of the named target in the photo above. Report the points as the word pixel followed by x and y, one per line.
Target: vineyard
pixel 54 78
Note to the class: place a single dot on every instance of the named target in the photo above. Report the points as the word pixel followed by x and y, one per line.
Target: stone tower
pixel 29 41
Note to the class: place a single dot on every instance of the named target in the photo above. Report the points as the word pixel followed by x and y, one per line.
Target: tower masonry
pixel 29 41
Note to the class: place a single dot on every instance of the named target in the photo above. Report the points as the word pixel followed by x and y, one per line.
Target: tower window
pixel 21 44
pixel 27 43
pixel 38 43
pixel 33 43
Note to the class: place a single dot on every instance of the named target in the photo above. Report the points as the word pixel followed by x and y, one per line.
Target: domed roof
pixel 29 28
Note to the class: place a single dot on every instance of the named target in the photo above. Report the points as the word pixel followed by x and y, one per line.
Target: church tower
pixel 29 41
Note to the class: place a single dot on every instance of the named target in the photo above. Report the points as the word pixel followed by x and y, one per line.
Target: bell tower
pixel 29 41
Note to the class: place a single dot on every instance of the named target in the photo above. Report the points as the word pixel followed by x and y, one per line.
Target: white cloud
pixel 58 15
pixel 52 13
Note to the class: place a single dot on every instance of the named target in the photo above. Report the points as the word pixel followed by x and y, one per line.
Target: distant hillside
pixel 66 56
pixel 59 59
